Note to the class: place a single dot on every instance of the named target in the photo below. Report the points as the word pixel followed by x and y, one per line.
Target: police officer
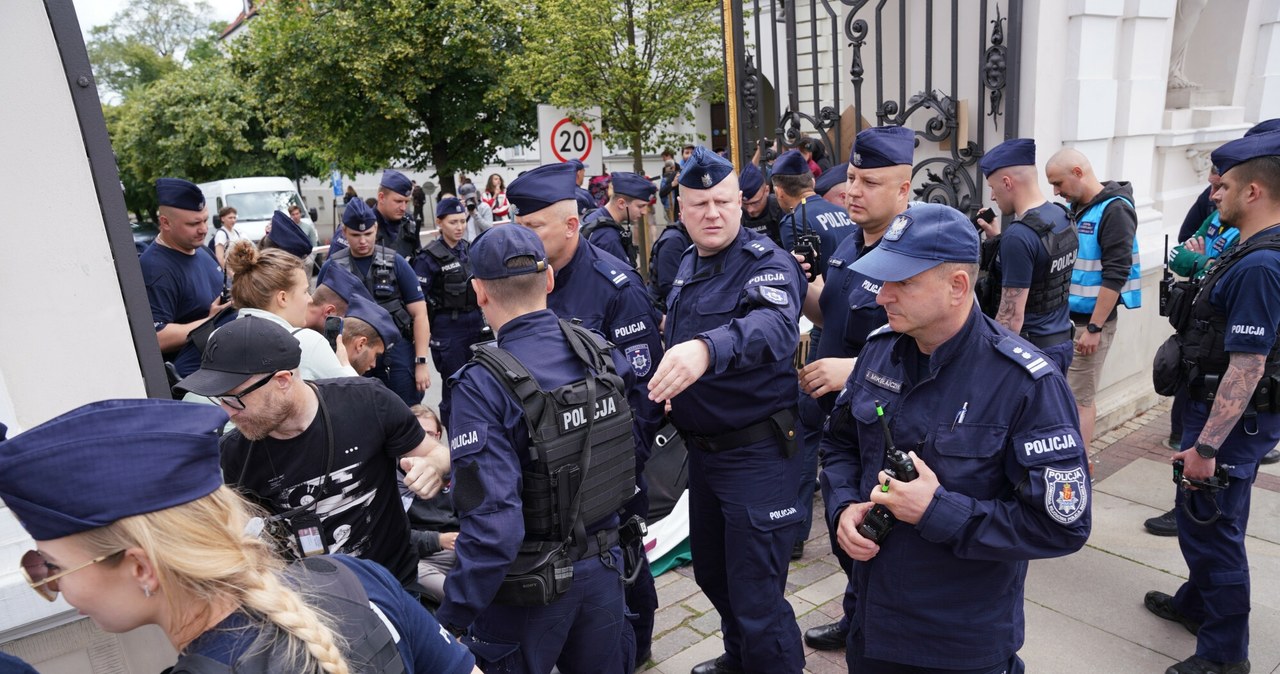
pixel 831 184
pixel 139 529
pixel 878 186
pixel 391 281
pixel 287 236
pixel 1036 255
pixel 760 210
pixel 1231 419
pixel 1001 479
pixel 664 260
pixel 606 295
pixel 611 226
pixel 184 282
pixel 728 376
pixel 443 272
pixel 395 230
pixel 586 202
pixel 537 582
pixel 806 212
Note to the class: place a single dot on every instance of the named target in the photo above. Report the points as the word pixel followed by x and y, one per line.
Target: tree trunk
pixel 640 233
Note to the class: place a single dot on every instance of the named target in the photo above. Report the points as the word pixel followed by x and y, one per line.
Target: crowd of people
pixel 338 525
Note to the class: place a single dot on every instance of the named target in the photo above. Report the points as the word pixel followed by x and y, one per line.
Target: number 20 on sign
pixel 570 140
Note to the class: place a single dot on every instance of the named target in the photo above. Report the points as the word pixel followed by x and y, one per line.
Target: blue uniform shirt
pixel 665 261
pixel 180 288
pixel 1023 258
pixel 830 222
pixel 1014 487
pixel 848 302
pixel 744 302
pixel 1250 294
pixel 606 238
pixel 487 430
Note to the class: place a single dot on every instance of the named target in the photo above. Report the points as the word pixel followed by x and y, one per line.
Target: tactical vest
pixel 451 291
pixel 382 284
pixel 628 244
pixel 582 467
pixel 333 589
pixel 1051 292
pixel 1204 327
pixel 1086 277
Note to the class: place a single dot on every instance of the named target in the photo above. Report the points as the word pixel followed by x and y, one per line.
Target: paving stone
pixel 699 603
pixel 701 651
pixel 831 587
pixel 707 623
pixel 674 642
pixel 669 617
pixel 811 573
pixel 676 591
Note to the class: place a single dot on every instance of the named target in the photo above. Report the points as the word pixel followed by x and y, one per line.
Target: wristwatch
pixel 1206 451
pixel 1093 328
pixel 420 360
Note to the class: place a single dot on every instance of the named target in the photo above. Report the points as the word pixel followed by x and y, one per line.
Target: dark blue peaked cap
pixel 344 283
pixel 632 185
pixel 288 236
pixel 790 163
pixel 881 146
pixel 450 206
pixel 541 187
pixel 359 216
pixel 1012 152
pixel 396 182
pixel 750 181
pixel 370 312
pixel 179 193
pixel 704 169
pixel 108 460
pixel 1265 126
pixel 830 178
pixel 1243 149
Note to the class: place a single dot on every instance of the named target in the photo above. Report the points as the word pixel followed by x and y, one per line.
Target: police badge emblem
pixel 774 296
pixel 638 356
pixel 706 180
pixel 1065 494
pixel 897 228
pixel 857 159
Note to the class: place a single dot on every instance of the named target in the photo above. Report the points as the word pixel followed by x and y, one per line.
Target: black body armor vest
pixel 1051 292
pixel 451 292
pixel 382 284
pixel 628 244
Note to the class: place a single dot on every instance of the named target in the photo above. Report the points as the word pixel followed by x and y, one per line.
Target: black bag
pixel 667 472
pixel 1166 369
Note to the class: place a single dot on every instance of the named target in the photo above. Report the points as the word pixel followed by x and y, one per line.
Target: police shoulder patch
pixel 1066 494
pixel 639 357
pixel 768 295
pixel 1022 353
pixel 616 276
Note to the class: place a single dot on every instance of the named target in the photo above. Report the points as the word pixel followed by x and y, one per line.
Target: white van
pixel 255 200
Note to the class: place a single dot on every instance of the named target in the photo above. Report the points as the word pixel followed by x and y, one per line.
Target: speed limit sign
pixel 561 139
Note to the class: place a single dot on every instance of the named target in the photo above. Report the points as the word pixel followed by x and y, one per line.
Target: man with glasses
pixel 320 456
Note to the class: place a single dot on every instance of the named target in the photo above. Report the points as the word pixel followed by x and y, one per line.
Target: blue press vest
pixel 1086 277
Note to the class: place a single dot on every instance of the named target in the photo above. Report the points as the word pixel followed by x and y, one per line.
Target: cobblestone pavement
pixel 687 627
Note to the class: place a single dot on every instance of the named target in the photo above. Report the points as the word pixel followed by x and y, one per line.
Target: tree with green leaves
pixel 363 84
pixel 147 40
pixel 645 63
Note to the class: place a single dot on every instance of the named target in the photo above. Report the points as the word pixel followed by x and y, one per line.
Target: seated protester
pixel 139 530
pixel 367 332
pixel 322 456
pixel 271 284
pixel 433 522
pixel 611 226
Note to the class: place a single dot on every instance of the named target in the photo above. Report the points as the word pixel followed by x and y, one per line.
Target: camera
pixel 807 245
pixel 984 214
pixel 1218 481
pixel 878 521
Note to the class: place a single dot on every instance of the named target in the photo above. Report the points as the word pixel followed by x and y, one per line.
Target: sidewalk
pixel 1084 612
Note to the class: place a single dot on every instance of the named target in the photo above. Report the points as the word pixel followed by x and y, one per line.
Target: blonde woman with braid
pixel 139 530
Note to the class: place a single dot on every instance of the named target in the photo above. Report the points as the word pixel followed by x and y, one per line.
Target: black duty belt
pixel 769 427
pixel 1265 398
pixel 1046 341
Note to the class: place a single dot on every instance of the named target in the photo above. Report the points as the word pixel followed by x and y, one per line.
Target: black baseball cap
pixel 246 346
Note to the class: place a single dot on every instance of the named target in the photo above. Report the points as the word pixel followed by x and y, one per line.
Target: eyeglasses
pixel 36 571
pixel 236 400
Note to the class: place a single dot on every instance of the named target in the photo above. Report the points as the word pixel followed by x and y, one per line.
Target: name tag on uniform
pixel 884 382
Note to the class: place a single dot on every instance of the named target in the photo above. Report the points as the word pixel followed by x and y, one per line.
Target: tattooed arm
pixel 1234 393
pixel 1013 304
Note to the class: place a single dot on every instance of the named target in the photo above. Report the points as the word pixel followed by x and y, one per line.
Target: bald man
pixel 1106 274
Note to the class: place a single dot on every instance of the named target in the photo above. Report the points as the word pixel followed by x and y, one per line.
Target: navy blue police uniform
pixel 164 454
pixel 583 630
pixel 180 287
pixel 1237 310
pixel 812 215
pixel 1025 261
pixel 664 260
pixel 606 295
pixel 739 422
pixel 609 235
pixel 398 235
pixel 765 222
pixel 394 285
pixel 586 202
pixel 456 322
pixel 1012 473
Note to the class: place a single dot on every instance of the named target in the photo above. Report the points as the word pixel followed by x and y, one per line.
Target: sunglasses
pixel 236 400
pixel 36 571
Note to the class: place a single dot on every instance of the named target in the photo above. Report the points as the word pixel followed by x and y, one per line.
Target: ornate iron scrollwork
pixel 955 186
pixel 994 68
pixel 751 91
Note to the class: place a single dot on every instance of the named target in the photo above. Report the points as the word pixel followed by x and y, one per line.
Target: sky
pixel 97 12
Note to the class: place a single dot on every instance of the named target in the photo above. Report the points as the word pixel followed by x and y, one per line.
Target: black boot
pixel 1161 605
pixel 718 666
pixel 826 637
pixel 1164 525
pixel 1198 665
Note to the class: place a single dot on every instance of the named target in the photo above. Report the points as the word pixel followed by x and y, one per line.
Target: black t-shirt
pixel 361 515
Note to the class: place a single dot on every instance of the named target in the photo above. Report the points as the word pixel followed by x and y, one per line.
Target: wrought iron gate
pixel 946 69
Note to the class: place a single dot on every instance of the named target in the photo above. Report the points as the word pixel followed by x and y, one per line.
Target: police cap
pixel 919 239
pixel 495 248
pixel 179 193
pixel 881 146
